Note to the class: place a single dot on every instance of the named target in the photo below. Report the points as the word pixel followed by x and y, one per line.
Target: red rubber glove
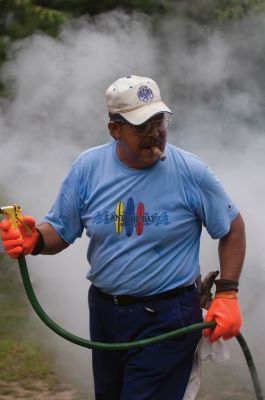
pixel 224 309
pixel 17 240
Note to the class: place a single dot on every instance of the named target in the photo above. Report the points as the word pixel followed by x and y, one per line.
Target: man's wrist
pixel 39 244
pixel 226 285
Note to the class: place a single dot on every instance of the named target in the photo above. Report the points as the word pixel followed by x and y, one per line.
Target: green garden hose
pixel 129 345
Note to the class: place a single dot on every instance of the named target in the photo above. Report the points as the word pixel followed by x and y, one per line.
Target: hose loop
pixel 129 345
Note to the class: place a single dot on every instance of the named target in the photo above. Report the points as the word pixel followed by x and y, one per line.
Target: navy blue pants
pixel 156 372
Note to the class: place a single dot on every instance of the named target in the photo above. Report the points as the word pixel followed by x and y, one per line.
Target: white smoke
pixel 211 78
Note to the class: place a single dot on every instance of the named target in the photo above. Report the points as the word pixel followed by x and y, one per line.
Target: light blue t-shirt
pixel 144 225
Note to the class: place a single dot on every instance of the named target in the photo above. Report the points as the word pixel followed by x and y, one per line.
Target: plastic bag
pixel 216 352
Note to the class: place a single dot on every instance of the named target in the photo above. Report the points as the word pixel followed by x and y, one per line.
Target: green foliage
pixel 22 18
pixel 3 49
pixel 231 10
pixel 211 11
pixel 81 7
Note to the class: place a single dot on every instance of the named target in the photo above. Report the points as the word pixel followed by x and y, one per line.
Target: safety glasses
pixel 144 129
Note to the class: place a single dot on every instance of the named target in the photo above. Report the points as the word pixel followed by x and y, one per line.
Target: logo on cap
pixel 145 94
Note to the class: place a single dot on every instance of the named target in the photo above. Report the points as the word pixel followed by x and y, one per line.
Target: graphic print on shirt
pixel 119 217
pixel 129 218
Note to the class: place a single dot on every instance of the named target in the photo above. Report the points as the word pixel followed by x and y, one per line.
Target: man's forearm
pixel 232 248
pixel 53 243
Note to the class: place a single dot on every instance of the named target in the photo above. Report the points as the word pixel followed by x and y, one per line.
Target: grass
pixel 21 360
pixel 13 306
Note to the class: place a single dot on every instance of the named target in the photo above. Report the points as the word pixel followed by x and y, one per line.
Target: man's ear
pixel 114 130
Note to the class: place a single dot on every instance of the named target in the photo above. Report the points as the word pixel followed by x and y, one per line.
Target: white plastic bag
pixel 216 352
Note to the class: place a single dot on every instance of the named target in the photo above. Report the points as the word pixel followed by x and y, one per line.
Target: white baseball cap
pixel 135 98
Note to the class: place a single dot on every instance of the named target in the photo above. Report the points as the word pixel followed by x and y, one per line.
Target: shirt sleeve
pixel 215 208
pixel 64 215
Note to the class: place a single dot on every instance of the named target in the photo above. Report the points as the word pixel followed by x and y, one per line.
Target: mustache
pixel 151 142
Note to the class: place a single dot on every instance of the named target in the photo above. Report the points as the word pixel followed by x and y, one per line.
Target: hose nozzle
pixel 14 214
pixel 158 153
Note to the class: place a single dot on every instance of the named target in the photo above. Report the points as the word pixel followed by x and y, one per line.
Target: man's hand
pixel 16 241
pixel 224 309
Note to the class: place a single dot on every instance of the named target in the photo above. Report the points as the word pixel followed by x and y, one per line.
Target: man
pixel 144 218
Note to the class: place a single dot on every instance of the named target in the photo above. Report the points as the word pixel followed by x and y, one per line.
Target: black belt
pixel 124 299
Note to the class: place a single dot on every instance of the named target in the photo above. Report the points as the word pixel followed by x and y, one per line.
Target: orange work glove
pixel 224 309
pixel 16 241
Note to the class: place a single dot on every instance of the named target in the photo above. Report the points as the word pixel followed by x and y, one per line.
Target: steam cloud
pixel 213 80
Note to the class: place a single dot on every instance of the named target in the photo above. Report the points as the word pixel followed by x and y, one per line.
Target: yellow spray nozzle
pixel 14 214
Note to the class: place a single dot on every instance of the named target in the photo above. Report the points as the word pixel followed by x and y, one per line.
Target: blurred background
pixel 57 59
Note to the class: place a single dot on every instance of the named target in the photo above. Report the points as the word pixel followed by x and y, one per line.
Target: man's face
pixel 135 142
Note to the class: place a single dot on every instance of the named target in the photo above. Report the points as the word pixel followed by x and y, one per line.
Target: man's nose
pixel 154 132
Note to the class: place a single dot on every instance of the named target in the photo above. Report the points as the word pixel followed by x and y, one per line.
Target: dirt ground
pixel 41 390
pixel 35 390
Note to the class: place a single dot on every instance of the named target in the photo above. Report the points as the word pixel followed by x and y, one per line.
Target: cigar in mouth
pixel 158 153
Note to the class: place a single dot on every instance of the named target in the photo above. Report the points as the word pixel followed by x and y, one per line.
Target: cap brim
pixel 142 114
